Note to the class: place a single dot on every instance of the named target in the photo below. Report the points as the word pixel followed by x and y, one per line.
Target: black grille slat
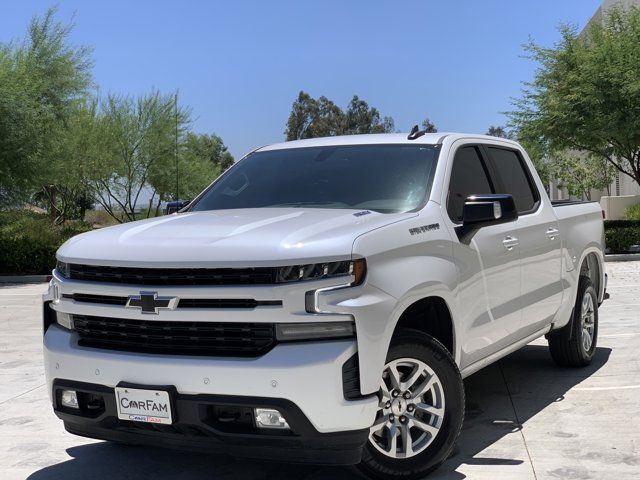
pixel 183 303
pixel 175 337
pixel 174 326
pixel 91 298
pixel 97 332
pixel 174 276
pixel 174 330
pixel 226 303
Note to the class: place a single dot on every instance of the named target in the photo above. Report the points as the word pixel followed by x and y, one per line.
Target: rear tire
pixel 421 410
pixel 575 344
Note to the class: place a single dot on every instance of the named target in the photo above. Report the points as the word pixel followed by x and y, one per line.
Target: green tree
pixel 208 147
pixel 130 152
pixel 585 95
pixel 499 131
pixel 70 162
pixel 137 151
pixel 580 172
pixel 537 151
pixel 312 118
pixel 428 126
pixel 41 80
pixel 65 149
pixel 201 158
pixel 360 118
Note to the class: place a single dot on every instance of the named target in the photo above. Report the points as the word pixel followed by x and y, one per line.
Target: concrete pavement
pixel 526 418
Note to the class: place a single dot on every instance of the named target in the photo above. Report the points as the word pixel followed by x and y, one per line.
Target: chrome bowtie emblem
pixel 150 302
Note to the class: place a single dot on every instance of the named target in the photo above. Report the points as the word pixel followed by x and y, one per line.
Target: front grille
pixel 175 337
pixel 182 303
pixel 174 276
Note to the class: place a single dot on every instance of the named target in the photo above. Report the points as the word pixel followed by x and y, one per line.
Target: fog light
pixel 64 320
pixel 270 418
pixel 69 399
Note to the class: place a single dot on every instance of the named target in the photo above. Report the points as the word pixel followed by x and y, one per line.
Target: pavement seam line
pixel 21 394
pixel 515 414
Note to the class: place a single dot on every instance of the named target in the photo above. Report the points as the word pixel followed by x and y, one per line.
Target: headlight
pixel 314 331
pixel 63 269
pixel 318 271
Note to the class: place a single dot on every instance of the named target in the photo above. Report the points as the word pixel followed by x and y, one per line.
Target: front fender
pixel 402 268
pixel 376 314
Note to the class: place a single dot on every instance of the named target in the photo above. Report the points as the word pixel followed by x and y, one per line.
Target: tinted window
pixel 468 177
pixel 514 178
pixel 384 178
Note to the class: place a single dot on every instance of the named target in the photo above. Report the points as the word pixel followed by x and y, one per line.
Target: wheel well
pixel 591 268
pixel 429 315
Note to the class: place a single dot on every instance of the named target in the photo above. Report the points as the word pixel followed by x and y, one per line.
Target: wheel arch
pixel 430 315
pixel 592 266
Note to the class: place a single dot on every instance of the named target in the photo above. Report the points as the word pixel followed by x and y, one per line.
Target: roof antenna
pixel 415 133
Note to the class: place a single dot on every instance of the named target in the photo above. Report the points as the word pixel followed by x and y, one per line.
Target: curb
pixel 622 257
pixel 24 278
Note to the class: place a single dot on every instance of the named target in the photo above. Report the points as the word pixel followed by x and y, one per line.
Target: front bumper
pixel 309 375
pixel 370 307
pixel 199 425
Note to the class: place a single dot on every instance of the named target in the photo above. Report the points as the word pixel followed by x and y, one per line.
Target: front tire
pixel 575 344
pixel 420 413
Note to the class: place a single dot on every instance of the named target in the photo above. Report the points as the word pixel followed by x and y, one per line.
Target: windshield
pixel 384 178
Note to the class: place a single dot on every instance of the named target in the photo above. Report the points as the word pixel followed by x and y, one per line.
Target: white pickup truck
pixel 322 301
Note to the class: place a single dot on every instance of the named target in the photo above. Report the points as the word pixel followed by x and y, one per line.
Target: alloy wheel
pixel 411 409
pixel 588 321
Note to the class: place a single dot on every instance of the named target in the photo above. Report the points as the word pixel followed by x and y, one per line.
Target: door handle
pixel 552 233
pixel 509 242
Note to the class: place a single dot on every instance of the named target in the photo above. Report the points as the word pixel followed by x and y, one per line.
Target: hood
pixel 243 237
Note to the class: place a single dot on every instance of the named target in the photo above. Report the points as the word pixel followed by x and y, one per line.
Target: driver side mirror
pixel 484 210
pixel 175 206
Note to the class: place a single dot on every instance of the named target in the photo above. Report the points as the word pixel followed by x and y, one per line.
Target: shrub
pixel 632 212
pixel 28 241
pixel 99 218
pixel 620 235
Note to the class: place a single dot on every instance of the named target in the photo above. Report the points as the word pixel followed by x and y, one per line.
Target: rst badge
pixel 424 228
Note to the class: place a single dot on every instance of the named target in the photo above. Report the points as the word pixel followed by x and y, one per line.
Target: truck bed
pixel 581 230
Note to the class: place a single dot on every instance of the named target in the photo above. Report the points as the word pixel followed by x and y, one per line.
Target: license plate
pixel 151 406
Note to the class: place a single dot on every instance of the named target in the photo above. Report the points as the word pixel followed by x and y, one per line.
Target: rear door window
pixel 514 178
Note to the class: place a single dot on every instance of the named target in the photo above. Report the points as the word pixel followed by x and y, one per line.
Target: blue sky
pixel 239 65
